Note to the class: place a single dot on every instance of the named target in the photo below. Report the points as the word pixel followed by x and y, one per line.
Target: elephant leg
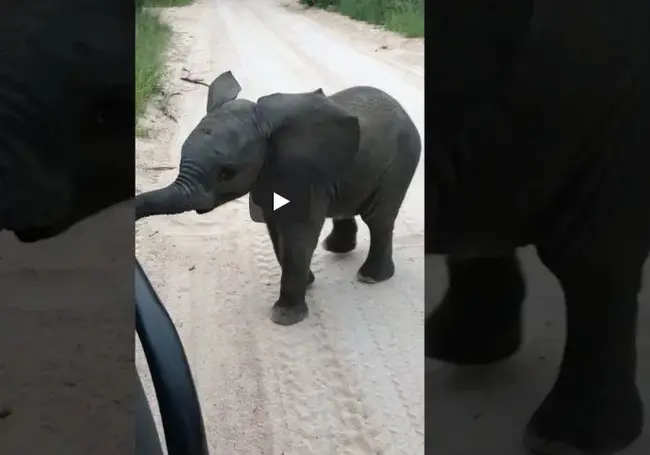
pixel 296 244
pixel 379 265
pixel 479 319
pixel 275 239
pixel 594 406
pixel 343 237
pixel 379 212
pixel 598 257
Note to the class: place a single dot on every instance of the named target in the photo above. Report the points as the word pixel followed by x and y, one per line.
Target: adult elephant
pixel 539 128
pixel 351 153
pixel 66 113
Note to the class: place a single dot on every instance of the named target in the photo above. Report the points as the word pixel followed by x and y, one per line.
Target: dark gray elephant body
pixel 550 147
pixel 66 113
pixel 389 152
pixel 352 153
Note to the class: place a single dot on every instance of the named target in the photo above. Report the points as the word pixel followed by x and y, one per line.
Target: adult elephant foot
pixel 594 407
pixel 479 319
pixel 582 417
pixel 343 237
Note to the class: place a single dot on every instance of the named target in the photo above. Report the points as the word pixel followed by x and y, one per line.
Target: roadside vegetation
pixel 151 40
pixel 402 16
pixel 164 3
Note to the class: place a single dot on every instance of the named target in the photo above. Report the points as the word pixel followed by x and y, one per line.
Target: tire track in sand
pixel 322 405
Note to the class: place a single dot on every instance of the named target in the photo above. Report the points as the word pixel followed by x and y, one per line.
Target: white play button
pixel 278 201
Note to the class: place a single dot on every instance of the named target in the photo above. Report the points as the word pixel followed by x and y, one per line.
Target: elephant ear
pixel 312 138
pixel 223 89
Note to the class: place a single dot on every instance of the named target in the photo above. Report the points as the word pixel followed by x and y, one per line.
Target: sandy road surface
pixel 66 337
pixel 350 378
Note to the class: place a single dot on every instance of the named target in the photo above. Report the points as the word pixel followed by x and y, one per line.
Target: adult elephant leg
pixel 343 237
pixel 297 241
pixel 594 406
pixel 479 319
pixel 275 240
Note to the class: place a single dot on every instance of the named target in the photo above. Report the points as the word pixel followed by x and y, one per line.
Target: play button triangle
pixel 278 201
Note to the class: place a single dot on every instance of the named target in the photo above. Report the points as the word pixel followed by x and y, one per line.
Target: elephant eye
pixel 225 174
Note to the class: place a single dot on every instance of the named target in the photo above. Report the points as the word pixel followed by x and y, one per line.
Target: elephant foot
pixel 479 319
pixel 284 313
pixel 457 344
pixel 376 272
pixel 343 237
pixel 585 419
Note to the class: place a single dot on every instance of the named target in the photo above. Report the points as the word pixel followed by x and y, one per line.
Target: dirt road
pixel 348 380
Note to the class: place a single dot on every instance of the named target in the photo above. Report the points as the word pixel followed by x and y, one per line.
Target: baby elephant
pixel 351 153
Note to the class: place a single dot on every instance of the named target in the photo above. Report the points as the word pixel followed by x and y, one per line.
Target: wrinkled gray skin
pixel 354 152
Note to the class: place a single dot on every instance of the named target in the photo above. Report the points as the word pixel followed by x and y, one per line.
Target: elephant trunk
pixel 164 201
pixel 182 195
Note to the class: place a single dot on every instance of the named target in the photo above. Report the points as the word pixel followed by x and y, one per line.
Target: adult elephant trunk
pixel 182 195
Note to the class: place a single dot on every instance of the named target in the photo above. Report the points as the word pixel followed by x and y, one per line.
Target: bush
pixel 402 16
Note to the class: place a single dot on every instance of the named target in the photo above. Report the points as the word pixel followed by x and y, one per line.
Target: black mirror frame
pixel 175 390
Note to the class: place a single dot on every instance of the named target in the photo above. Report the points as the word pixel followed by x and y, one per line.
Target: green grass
pixel 166 3
pixel 402 16
pixel 151 40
